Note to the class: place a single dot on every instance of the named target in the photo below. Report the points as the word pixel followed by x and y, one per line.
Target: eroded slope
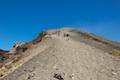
pixel 68 54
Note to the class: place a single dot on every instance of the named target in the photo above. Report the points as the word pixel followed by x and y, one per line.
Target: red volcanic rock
pixel 2 52
pixel 39 38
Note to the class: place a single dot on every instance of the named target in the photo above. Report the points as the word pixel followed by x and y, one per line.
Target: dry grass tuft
pixel 115 53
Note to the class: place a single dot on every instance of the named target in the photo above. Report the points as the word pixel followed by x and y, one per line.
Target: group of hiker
pixel 22 47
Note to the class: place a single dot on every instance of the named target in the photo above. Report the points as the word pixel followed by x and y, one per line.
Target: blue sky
pixel 22 20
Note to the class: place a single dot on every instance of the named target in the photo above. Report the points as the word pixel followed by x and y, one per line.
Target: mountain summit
pixel 63 54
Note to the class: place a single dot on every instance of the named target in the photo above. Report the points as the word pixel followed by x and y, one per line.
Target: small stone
pixel 58 76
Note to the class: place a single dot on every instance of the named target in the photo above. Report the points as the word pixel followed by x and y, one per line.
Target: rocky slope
pixel 65 54
pixel 2 51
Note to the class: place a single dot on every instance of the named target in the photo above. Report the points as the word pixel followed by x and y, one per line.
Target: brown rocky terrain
pixel 2 51
pixel 65 54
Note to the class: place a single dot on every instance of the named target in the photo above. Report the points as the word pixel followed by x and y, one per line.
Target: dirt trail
pixel 66 55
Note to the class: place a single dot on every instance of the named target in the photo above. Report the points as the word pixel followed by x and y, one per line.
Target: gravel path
pixel 67 59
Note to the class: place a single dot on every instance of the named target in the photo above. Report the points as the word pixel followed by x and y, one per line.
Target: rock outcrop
pixel 2 51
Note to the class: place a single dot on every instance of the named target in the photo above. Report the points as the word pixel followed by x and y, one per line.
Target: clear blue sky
pixel 22 20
